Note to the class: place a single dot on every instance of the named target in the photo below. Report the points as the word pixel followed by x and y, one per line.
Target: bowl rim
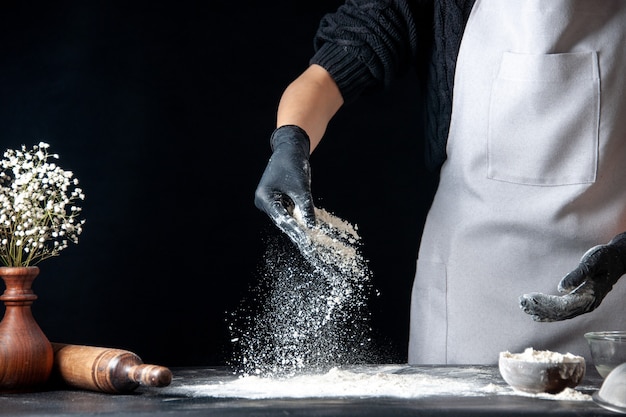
pixel 608 335
pixel 597 398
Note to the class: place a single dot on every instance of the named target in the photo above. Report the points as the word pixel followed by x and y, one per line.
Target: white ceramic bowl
pixel 541 371
pixel 612 393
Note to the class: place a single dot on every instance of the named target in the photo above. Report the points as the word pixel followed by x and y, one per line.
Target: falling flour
pixel 307 313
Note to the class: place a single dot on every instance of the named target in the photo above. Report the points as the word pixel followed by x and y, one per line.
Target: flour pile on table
pixel 306 314
pixel 362 382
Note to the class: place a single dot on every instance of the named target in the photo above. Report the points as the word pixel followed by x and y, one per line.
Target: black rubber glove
pixel 286 184
pixel 585 287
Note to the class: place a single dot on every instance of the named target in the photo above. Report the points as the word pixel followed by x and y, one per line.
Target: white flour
pixel 307 318
pixel 306 314
pixel 568 394
pixel 380 381
pixel 543 356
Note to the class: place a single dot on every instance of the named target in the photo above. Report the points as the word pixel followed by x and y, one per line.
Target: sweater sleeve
pixel 366 44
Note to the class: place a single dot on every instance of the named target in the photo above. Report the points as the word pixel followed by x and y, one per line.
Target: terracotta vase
pixel 26 354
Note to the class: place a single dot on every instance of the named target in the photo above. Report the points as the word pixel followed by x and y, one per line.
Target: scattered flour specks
pixel 304 332
pixel 339 383
pixel 309 310
pixel 568 394
pixel 379 381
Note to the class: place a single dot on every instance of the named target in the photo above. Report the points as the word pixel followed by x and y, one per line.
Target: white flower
pixel 37 198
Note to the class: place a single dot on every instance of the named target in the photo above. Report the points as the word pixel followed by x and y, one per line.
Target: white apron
pixel 535 176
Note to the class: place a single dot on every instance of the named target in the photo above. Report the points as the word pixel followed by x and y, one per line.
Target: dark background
pixel 163 111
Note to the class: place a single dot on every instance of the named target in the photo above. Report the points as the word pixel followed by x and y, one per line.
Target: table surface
pixel 178 400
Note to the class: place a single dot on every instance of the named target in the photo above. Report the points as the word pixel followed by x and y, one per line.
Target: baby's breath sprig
pixel 38 211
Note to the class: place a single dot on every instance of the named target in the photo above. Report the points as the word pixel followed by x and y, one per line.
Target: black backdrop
pixel 163 110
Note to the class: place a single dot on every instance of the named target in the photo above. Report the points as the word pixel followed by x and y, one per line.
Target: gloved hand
pixel 585 287
pixel 286 184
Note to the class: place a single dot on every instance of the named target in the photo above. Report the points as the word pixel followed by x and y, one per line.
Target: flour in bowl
pixel 544 356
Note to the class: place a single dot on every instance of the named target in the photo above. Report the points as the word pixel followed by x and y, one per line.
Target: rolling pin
pixel 105 369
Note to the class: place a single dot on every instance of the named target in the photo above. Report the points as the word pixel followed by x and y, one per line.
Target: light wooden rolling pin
pixel 105 369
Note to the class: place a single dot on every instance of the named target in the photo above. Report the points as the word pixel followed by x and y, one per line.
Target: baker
pixel 526 123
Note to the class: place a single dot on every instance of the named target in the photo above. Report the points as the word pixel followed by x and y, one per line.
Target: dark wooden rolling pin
pixel 105 369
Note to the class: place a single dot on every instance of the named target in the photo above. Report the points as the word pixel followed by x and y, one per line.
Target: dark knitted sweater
pixel 366 44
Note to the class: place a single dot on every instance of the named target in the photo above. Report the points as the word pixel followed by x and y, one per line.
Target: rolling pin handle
pixel 151 375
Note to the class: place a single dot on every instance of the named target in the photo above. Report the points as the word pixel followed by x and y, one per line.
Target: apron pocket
pixel 543 119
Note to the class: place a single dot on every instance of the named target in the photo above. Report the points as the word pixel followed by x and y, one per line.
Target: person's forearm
pixel 310 102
